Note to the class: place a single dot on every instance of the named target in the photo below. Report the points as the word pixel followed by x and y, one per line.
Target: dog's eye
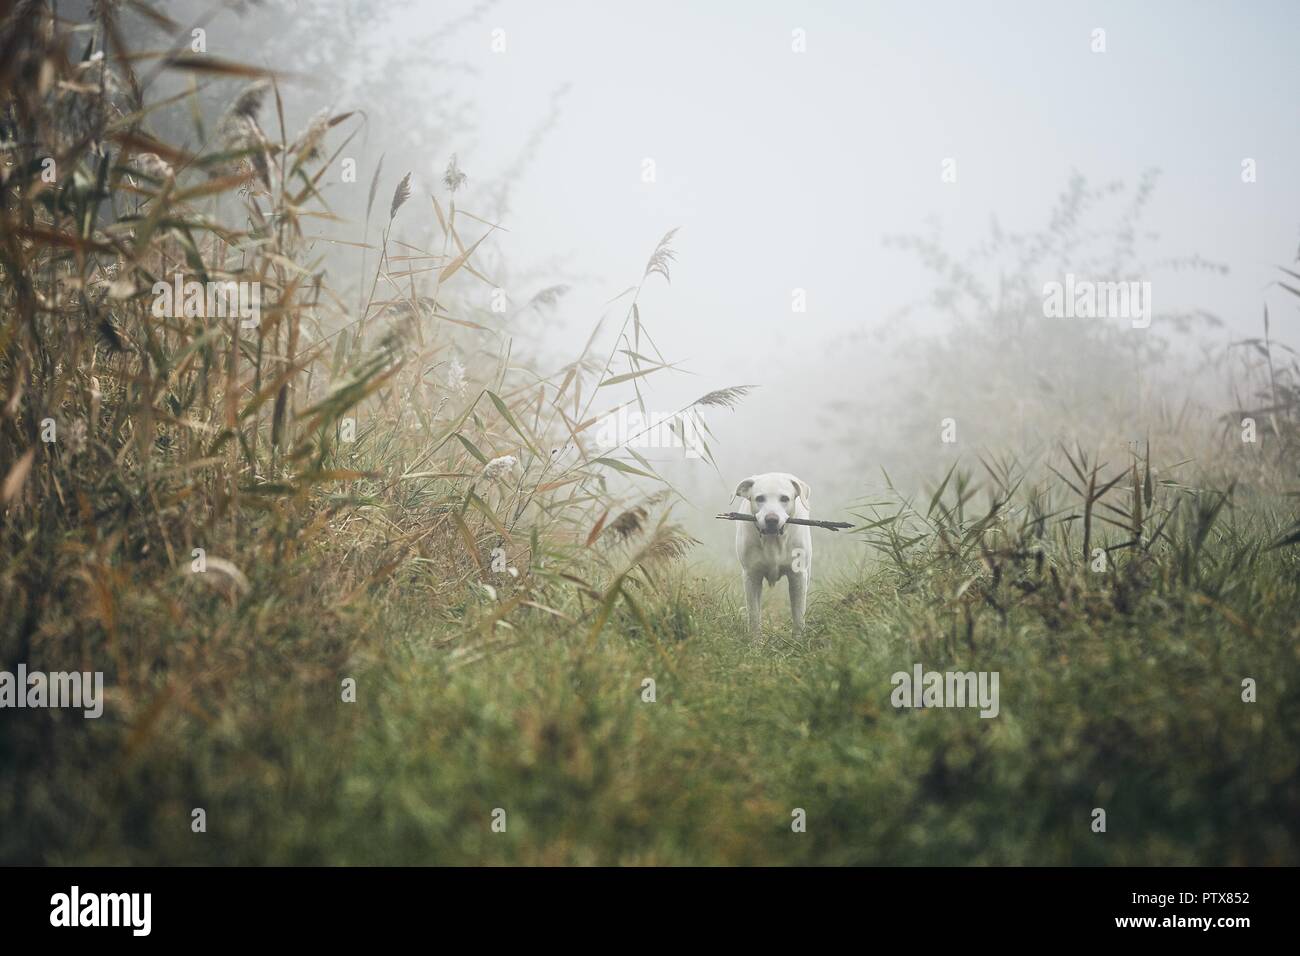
pixel 785 499
pixel 760 499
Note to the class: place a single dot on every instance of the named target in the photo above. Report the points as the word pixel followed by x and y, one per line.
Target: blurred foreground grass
pixel 1140 714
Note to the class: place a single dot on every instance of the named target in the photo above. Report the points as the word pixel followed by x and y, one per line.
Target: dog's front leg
pixel 754 601
pixel 798 599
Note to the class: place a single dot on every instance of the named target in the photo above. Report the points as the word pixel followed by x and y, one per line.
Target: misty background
pixel 820 169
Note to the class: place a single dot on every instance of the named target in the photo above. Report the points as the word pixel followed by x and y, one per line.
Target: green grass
pixel 1140 714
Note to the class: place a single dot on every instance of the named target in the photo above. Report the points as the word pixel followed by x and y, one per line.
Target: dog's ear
pixel 802 487
pixel 742 489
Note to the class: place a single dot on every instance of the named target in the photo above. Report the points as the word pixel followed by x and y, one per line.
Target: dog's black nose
pixel 771 521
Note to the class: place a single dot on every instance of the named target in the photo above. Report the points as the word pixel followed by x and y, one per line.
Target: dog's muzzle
pixel 771 525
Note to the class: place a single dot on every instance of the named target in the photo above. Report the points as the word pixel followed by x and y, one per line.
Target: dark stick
pixel 810 522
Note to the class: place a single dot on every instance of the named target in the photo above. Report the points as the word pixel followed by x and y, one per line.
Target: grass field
pixel 1137 710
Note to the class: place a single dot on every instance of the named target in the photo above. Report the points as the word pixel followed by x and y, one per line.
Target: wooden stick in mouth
pixel 810 522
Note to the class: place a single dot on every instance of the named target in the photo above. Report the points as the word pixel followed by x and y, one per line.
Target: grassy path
pixel 1139 715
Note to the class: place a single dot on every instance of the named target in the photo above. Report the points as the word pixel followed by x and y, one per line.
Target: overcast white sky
pixel 786 170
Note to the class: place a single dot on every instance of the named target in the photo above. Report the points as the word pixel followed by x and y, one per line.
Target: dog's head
pixel 771 499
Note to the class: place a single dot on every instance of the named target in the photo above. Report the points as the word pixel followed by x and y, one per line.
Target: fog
pixel 787 143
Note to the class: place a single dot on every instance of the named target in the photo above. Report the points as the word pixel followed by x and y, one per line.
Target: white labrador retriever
pixel 768 550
